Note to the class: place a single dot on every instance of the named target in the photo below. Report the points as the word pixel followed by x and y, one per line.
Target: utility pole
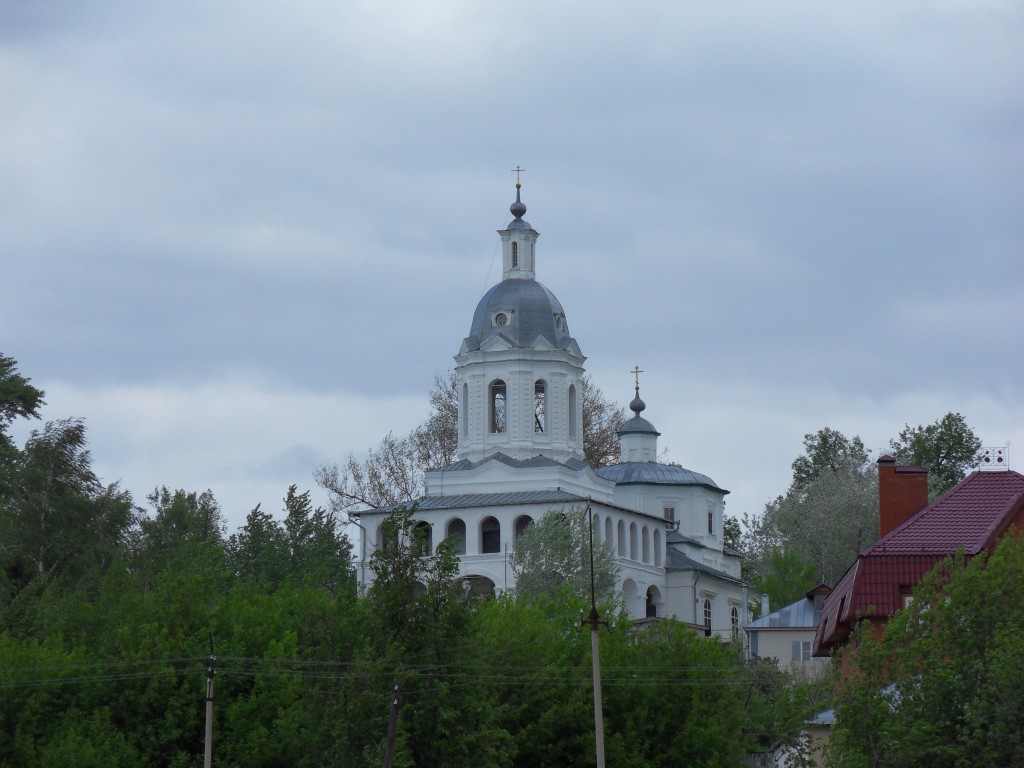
pixel 389 749
pixel 594 620
pixel 210 672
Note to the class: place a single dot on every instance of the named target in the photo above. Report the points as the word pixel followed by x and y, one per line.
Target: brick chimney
pixel 902 491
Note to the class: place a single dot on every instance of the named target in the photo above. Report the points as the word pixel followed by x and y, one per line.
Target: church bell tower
pixel 519 370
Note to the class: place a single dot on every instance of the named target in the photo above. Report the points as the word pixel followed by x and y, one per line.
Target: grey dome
pixel 653 473
pixel 527 310
pixel 638 424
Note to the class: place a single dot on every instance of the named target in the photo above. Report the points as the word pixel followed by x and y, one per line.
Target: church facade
pixel 520 456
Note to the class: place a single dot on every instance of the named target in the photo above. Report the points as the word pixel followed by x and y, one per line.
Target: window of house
pixel 498 406
pixel 490 536
pixel 539 407
pixel 734 618
pixel 801 650
pixel 670 514
pixel 515 255
pixel 711 517
pixel 707 617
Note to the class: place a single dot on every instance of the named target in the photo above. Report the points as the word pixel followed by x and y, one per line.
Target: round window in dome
pixel 501 319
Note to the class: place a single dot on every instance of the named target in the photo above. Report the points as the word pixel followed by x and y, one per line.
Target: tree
pixel 56 516
pixel 947 448
pixel 827 450
pixel 553 554
pixel 320 553
pixel 943 685
pixel 18 400
pixel 602 420
pixel 829 514
pixel 393 472
pixel 259 550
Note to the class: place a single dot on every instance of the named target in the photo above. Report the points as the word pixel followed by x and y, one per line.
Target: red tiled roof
pixel 971 516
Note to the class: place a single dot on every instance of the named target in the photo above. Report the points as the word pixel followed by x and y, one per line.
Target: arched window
pixel 572 410
pixel 608 539
pixel 645 544
pixel 621 531
pixel 657 547
pixel 595 526
pixel 498 403
pixel 385 537
pixel 490 536
pixel 734 616
pixel 539 407
pixel 652 603
pixel 707 617
pixel 632 541
pixel 515 255
pixel 464 410
pixel 522 523
pixel 422 538
pixel 456 532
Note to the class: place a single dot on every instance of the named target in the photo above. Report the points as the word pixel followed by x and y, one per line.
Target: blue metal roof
pixel 798 615
pixel 533 461
pixel 653 473
pixel 466 500
pixel 530 309
pixel 677 561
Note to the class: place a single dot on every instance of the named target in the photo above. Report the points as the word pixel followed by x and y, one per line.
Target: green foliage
pixel 827 451
pixel 553 554
pixel 787 578
pixel 942 687
pixel 948 449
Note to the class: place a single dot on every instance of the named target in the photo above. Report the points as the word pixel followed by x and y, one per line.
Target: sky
pixel 239 239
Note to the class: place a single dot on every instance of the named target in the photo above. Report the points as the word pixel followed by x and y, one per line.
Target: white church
pixel 520 457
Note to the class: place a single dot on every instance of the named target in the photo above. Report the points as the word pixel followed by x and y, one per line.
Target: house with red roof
pixel 914 537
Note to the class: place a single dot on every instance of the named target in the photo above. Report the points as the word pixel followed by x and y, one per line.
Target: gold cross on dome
pixel 517 170
pixel 636 376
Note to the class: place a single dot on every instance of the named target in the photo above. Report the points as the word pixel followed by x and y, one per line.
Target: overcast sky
pixel 240 238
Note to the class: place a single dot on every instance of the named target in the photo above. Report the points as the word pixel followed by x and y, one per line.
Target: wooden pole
pixel 594 620
pixel 210 672
pixel 389 749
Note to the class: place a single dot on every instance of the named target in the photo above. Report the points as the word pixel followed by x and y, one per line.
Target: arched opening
pixel 653 602
pixel 385 538
pixel 621 531
pixel 645 545
pixel 522 523
pixel 631 596
pixel 539 407
pixel 490 536
pixel 419 588
pixel 595 526
pixel 515 255
pixel 498 406
pixel 422 538
pixel 608 539
pixel 632 541
pixel 657 547
pixel 476 586
pixel 572 410
pixel 707 617
pixel 456 534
